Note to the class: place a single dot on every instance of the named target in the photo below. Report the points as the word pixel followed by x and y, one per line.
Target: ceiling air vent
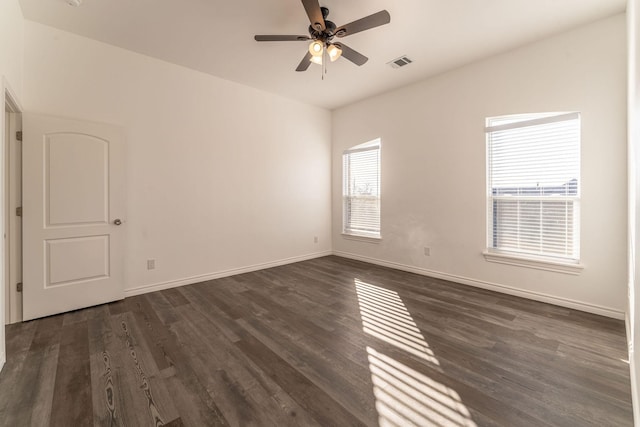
pixel 400 62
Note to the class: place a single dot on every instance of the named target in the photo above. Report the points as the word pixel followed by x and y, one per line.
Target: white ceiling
pixel 216 37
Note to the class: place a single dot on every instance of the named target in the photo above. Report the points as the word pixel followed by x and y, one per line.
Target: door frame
pixel 11 105
pixel 13 224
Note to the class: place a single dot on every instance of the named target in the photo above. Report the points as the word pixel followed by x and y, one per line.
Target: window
pixel 361 190
pixel 534 186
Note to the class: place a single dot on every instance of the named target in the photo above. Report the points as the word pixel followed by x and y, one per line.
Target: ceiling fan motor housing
pixel 328 33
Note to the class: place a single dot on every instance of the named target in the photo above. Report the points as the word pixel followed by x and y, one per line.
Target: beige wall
pixel 221 176
pixel 434 174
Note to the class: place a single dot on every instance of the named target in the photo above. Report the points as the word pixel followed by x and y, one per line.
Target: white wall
pixel 633 99
pixel 220 176
pixel 11 44
pixel 433 165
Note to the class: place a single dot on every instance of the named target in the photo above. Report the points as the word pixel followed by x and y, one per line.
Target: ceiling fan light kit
pixel 316 48
pixel 316 60
pixel 322 32
pixel 334 52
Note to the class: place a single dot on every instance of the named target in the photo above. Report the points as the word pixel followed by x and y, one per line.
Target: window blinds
pixel 361 191
pixel 534 184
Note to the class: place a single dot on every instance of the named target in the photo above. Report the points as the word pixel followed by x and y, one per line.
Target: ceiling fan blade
pixel 353 56
pixel 315 14
pixel 304 64
pixel 366 23
pixel 277 38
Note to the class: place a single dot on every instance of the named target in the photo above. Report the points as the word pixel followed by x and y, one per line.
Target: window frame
pixel 347 231
pixel 523 258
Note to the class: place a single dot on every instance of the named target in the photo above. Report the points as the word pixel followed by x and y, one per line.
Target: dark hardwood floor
pixel 327 342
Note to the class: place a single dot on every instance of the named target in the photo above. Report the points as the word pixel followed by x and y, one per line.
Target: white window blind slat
pixel 534 184
pixel 361 190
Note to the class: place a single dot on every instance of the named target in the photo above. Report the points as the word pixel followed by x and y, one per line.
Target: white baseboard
pixel 537 296
pixel 3 359
pixel 138 290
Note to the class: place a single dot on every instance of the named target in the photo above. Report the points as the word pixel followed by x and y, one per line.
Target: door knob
pixel 117 221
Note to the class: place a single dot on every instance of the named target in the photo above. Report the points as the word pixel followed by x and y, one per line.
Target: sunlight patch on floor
pixel 385 317
pixel 404 396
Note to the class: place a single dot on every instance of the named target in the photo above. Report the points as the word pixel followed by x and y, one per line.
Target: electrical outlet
pixel 151 264
pixel 315 239
pixel 427 251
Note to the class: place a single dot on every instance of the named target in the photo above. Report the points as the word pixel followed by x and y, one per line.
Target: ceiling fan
pixel 322 32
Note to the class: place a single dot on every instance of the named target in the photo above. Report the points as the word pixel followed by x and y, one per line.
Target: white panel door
pixel 73 208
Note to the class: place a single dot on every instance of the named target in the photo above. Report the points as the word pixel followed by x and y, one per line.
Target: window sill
pixel 537 263
pixel 362 238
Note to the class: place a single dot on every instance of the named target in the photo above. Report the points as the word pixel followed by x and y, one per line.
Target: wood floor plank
pixel 242 392
pixel 158 402
pixel 152 330
pixel 194 403
pixel 72 397
pixel 85 314
pixel 290 413
pixel 313 399
pixel 19 339
pixel 122 399
pixel 341 380
pixel 175 297
pixel 223 319
pixel 207 361
pixel 162 307
pixel 117 307
pixel 105 398
pixel 45 390
pixel 325 342
pixel 33 393
pixel 10 380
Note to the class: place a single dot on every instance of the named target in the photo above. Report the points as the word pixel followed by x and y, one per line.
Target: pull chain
pixel 324 62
